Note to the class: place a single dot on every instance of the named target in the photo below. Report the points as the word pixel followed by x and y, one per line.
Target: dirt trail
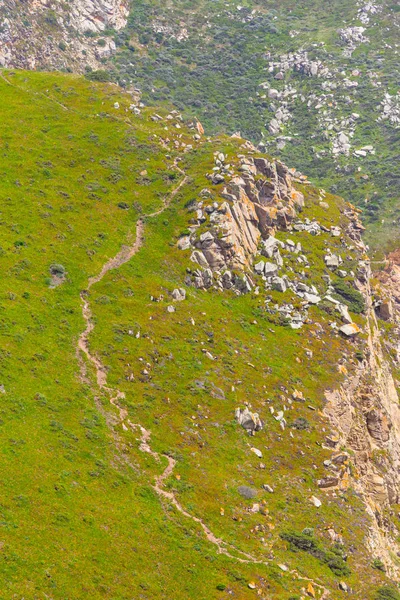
pixel 125 254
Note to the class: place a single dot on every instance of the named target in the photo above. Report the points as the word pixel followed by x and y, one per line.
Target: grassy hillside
pixel 80 516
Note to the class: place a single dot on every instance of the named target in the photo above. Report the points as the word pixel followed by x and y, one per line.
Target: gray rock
pixel 259 267
pixel 217 178
pixel 251 422
pixel 257 452
pixel 268 488
pixel 349 330
pixel 179 294
pixel 199 258
pixel 184 243
pixel 312 298
pixel 206 239
pixel 279 284
pixel 247 492
pixel 328 482
pixel 302 287
pixel 270 269
pixel 344 313
pixel 331 261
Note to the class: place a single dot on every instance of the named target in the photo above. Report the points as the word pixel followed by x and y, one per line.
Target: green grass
pixel 79 517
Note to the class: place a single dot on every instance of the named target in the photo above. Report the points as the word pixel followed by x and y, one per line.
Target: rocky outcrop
pixel 255 201
pixel 49 35
pixel 365 414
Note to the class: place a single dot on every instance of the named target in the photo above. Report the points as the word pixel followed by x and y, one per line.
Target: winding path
pixel 125 254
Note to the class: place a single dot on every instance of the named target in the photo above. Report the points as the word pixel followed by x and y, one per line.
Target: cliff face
pixel 365 414
pixel 257 205
pixel 50 35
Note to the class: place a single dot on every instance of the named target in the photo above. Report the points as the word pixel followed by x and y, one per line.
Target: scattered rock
pixel 257 452
pixel 247 492
pixel 179 294
pixel 350 330
pixel 268 488
pixel 314 500
pixel 251 422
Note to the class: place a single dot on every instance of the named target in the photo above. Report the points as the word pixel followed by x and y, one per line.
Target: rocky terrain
pixel 200 363
pixel 316 87
pixel 65 36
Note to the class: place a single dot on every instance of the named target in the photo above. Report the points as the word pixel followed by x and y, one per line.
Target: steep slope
pixel 315 82
pixel 160 290
pixel 59 35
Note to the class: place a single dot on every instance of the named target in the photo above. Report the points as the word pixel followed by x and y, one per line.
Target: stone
pixel 247 492
pixel 171 309
pixel 217 178
pixel 270 269
pixel 268 488
pixel 279 284
pixel 332 261
pixel 385 310
pixel 312 298
pixel 343 586
pixel 179 294
pixel 259 267
pixel 327 482
pixel 257 452
pixel 199 258
pixel 344 313
pixel 250 421
pixel 206 239
pixel 314 500
pixel 184 243
pixel 378 425
pixel 349 330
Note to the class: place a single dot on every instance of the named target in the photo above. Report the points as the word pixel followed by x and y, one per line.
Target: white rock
pixel 314 500
pixel 257 452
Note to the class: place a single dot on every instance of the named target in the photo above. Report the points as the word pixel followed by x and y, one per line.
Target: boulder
pixel 257 452
pixel 331 261
pixel 179 294
pixel 385 311
pixel 250 421
pixel 270 269
pixel 259 267
pixel 312 298
pixel 247 492
pixel 328 482
pixel 314 500
pixel 344 313
pixel 184 243
pixel 349 330
pixel 279 284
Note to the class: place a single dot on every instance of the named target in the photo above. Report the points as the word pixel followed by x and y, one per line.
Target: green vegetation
pixel 210 58
pixel 80 514
pixel 305 541
pixel 350 296
pixel 387 593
